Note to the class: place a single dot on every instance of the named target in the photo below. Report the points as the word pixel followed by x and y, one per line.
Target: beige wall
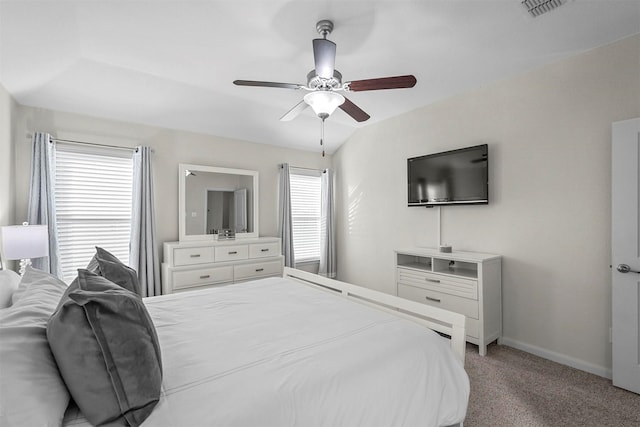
pixel 170 148
pixel 7 152
pixel 549 136
pixel 7 165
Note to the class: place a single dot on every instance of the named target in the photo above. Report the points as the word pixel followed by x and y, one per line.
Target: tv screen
pixel 448 178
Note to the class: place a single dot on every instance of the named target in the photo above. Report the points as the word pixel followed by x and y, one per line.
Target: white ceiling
pixel 172 63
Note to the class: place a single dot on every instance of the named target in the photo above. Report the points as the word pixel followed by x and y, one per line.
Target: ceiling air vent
pixel 538 7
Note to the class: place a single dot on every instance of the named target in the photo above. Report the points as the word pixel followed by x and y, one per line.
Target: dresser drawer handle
pixel 432 280
pixel 233 252
pixel 264 250
pixel 259 269
pixel 195 255
pixel 206 276
pixel 433 299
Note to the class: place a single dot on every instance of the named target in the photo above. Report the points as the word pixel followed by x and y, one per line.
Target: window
pixel 93 191
pixel 305 214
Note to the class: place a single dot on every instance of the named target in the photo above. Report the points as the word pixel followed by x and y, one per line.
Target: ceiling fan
pixel 324 81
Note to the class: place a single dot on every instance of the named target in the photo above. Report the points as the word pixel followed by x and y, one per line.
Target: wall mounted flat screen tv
pixel 449 178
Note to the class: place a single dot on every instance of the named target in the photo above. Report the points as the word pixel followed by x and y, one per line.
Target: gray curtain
pixel 143 251
pixel 327 227
pixel 42 206
pixel 285 224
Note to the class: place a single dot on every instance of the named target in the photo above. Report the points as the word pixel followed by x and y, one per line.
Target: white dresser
pixel 464 282
pixel 200 264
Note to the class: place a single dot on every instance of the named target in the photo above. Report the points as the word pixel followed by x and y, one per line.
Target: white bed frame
pixel 443 321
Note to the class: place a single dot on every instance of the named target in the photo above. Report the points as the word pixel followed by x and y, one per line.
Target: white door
pixel 240 198
pixel 625 252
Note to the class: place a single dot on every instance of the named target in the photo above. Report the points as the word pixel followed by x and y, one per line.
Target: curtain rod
pixel 68 141
pixel 306 169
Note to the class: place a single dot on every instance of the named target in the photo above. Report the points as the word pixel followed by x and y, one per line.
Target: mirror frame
pixel 182 236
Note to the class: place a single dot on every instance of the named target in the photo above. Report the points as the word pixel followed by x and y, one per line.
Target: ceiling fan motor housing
pixel 315 82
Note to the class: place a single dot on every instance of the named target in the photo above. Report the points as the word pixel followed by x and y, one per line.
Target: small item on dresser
pixel 226 234
pixel 446 249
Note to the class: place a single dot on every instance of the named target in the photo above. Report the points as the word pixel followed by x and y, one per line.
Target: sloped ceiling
pixel 172 63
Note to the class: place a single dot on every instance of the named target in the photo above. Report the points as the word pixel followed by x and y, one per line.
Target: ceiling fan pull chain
pixel 322 136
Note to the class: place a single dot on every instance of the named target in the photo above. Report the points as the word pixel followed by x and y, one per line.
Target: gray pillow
pixel 114 270
pixel 32 392
pixel 107 351
pixel 107 265
pixel 8 284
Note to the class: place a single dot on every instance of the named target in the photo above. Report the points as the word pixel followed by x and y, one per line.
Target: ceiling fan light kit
pixel 324 103
pixel 325 80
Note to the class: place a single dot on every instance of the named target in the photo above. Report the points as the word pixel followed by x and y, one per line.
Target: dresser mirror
pixel 212 199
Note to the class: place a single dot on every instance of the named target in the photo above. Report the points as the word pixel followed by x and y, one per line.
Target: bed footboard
pixel 443 321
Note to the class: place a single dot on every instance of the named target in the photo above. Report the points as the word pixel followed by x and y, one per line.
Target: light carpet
pixel 510 387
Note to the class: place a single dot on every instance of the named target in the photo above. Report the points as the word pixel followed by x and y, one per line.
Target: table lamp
pixel 25 242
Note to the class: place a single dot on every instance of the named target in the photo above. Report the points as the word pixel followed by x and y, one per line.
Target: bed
pixel 302 350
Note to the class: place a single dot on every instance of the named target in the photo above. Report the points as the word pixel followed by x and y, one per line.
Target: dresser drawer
pixel 202 276
pixel 263 250
pixel 191 256
pixel 257 269
pixel 231 253
pixel 466 306
pixel 457 286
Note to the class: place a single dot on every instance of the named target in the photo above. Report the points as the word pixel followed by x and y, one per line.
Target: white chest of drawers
pixel 196 265
pixel 464 282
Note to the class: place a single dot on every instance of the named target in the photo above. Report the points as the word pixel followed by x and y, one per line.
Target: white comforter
pixel 273 352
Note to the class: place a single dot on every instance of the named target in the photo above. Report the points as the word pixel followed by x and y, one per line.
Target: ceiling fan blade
pixel 324 55
pixel 267 84
pixel 293 113
pixel 397 82
pixel 354 111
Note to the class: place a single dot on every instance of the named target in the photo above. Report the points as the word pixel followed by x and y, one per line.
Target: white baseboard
pixel 559 358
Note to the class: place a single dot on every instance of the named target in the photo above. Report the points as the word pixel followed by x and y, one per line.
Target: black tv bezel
pixel 448 203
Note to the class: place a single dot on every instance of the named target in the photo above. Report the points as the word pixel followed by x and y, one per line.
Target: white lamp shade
pixel 25 241
pixel 324 102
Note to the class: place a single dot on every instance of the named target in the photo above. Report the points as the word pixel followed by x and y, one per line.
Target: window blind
pixel 305 215
pixel 93 191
